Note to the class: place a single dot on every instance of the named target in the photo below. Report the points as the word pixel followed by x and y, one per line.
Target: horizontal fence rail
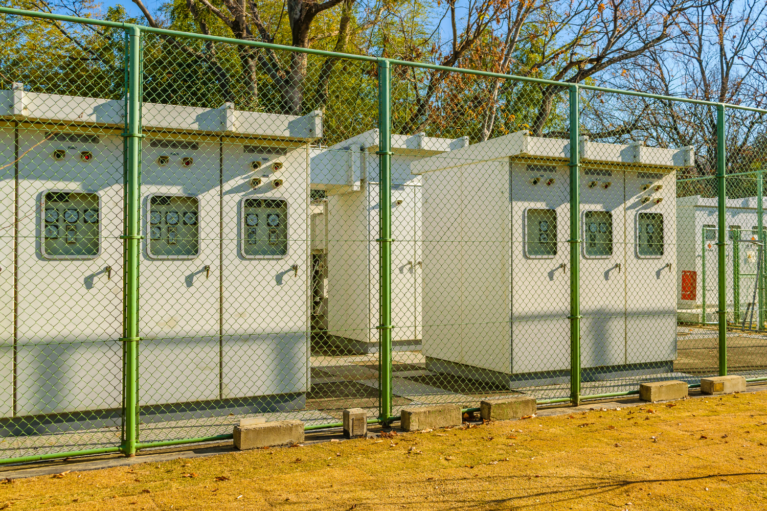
pixel 195 232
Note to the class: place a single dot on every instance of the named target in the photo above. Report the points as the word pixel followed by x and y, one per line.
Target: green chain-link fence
pixel 198 229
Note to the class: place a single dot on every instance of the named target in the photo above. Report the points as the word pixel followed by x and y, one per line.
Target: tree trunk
pixel 250 72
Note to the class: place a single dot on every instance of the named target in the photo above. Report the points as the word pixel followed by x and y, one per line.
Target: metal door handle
pixel 669 267
pixel 563 267
pixel 618 265
pixel 419 263
pixel 295 270
pixel 207 271
pixel 410 265
pixel 108 269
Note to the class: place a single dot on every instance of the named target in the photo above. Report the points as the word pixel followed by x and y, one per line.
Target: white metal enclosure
pixel 496 291
pixel 697 236
pixel 348 173
pixel 211 289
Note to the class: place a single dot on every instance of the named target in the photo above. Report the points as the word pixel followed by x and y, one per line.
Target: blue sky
pixel 152 5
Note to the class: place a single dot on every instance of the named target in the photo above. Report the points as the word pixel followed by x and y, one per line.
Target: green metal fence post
pixel 131 239
pixel 384 238
pixel 575 242
pixel 721 210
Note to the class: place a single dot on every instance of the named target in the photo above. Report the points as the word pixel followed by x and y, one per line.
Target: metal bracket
pixel 131 237
pixel 129 339
pixel 384 240
pixel 384 327
pixel 384 152
pixel 128 135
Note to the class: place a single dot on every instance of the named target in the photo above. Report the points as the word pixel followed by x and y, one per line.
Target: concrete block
pixel 504 409
pixel 268 434
pixel 723 385
pixel 663 391
pixel 430 417
pixel 355 423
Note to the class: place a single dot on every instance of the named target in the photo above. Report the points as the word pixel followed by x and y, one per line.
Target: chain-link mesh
pixel 258 265
pixel 260 261
pixel 746 154
pixel 61 278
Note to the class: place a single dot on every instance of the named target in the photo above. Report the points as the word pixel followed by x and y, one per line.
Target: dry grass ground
pixel 696 454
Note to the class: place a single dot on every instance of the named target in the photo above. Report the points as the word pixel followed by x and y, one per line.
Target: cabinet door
pixel 265 303
pixel 418 257
pixel 7 241
pixel 179 300
pixel 70 213
pixel 403 277
pixel 541 273
pixel 650 276
pixel 603 291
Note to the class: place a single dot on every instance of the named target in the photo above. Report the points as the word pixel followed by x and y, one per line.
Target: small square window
pixel 733 232
pixel 264 228
pixel 710 232
pixel 71 225
pixel 598 233
pixel 541 233
pixel 174 231
pixel 650 234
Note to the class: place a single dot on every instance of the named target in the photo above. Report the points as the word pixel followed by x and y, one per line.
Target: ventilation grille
pixel 541 168
pixel 598 172
pixel 174 144
pixel 74 138
pixel 265 149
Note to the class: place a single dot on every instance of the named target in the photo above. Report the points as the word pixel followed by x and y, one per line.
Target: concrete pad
pixel 663 391
pixel 430 417
pixel 250 421
pixel 723 385
pixel 269 434
pixel 355 423
pixel 508 408
pixel 421 393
